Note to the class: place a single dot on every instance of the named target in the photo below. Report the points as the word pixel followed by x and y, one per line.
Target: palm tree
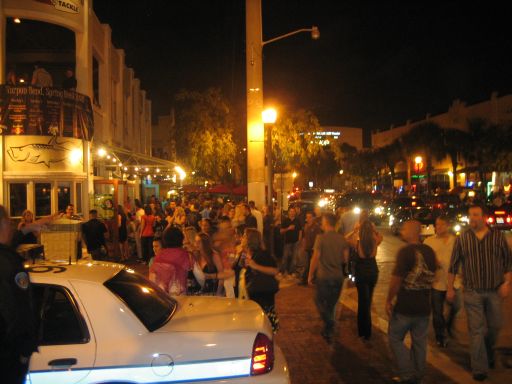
pixel 455 145
pixel 424 138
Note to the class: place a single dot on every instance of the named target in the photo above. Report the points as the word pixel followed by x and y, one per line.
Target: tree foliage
pixel 293 139
pixel 204 133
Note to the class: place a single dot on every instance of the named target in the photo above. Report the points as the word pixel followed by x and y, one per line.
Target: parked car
pixel 401 202
pixel 371 202
pixel 500 217
pixel 424 215
pixel 102 323
pixel 444 203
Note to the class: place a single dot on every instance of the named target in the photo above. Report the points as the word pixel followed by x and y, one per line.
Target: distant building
pixel 339 134
pixel 86 144
pixel 496 110
pixel 163 143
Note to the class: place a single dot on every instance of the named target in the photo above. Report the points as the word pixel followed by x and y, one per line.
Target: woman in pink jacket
pixel 172 263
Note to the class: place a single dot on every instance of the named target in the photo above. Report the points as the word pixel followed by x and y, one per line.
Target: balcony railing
pixel 29 110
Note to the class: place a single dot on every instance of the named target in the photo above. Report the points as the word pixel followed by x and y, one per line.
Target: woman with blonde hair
pixel 179 217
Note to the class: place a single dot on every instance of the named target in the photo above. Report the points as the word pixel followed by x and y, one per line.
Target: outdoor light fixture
pixel 136 169
pixel 146 169
pixel 315 32
pixel 102 152
pixel 295 174
pixel 181 172
pixel 418 159
pixel 17 20
pixel 269 116
pixel 75 156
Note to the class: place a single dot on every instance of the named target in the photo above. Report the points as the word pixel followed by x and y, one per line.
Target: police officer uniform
pixel 18 338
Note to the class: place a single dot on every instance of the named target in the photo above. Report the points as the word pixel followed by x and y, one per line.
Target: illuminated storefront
pixel 51 135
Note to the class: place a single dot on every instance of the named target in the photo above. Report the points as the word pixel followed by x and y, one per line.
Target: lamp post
pixel 418 160
pixel 254 75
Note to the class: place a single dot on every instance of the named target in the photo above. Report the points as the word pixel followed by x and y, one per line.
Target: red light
pixel 490 220
pixel 499 212
pixel 509 219
pixel 413 203
pixel 262 355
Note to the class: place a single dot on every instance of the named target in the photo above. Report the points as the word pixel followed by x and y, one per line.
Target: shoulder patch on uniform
pixel 21 280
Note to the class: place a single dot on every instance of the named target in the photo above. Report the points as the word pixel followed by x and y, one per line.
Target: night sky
pixel 375 64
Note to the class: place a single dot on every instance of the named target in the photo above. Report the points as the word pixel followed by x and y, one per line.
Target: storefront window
pixel 63 195
pixel 78 198
pixel 43 199
pixel 18 199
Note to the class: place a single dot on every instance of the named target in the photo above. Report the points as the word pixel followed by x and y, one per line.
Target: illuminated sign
pixel 69 6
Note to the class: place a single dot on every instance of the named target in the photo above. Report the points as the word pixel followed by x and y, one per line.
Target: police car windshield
pixel 148 302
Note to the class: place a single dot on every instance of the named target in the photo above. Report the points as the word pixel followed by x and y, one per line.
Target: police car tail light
pixel 262 355
pixel 490 220
pixel 509 219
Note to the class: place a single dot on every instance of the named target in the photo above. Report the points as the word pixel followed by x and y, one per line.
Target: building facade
pixel 496 110
pixel 82 145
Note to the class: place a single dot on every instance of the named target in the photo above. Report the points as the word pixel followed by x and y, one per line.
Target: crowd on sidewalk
pixel 212 247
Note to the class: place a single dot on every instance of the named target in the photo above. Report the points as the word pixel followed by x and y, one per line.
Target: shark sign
pixel 53 155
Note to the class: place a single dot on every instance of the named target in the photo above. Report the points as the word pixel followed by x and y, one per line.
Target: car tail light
pixel 509 219
pixel 490 220
pixel 262 355
pixel 499 212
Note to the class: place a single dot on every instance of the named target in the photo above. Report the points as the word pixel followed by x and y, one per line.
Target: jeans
pixel 455 307
pixel 326 298
pixel 147 247
pixel 307 261
pixel 441 325
pixel 364 306
pixel 290 254
pixel 483 309
pixel 410 363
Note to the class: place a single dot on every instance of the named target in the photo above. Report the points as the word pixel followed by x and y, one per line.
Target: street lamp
pixel 254 75
pixel 418 160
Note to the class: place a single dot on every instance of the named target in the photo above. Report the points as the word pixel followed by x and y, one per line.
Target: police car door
pixel 67 347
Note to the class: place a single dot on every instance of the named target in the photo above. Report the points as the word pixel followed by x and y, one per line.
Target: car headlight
pixel 378 210
pixel 391 220
pixel 357 210
pixel 464 219
pixel 322 203
pixel 457 228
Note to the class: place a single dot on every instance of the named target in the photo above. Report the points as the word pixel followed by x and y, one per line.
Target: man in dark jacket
pixel 17 323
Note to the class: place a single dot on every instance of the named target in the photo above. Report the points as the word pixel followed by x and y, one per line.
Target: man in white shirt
pixel 442 244
pixel 257 214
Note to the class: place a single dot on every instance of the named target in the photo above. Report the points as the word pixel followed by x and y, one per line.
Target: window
pixel 96 81
pixel 78 207
pixel 63 195
pixel 17 199
pixel 43 199
pixel 58 316
pixel 148 302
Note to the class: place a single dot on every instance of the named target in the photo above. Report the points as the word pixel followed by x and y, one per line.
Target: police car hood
pixel 215 314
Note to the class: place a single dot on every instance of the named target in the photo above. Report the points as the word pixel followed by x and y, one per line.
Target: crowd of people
pixel 41 77
pixel 208 247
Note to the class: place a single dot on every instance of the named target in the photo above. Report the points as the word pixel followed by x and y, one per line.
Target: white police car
pixel 102 323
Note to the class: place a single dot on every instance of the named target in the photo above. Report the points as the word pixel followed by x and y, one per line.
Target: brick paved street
pixel 348 360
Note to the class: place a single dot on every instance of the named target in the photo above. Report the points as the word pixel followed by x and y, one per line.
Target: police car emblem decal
pixel 21 280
